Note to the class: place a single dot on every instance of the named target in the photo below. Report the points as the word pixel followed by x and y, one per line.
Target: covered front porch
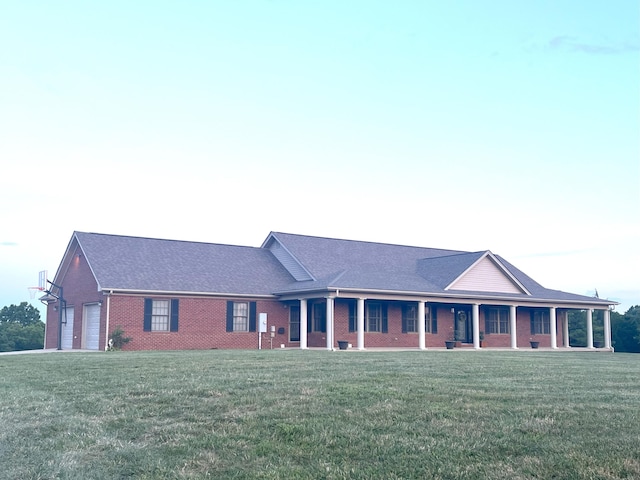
pixel 381 323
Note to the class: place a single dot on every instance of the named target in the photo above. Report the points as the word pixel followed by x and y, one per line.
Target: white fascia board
pixel 481 299
pixel 65 258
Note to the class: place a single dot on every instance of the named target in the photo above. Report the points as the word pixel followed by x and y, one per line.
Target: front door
pixel 464 325
pixel 294 323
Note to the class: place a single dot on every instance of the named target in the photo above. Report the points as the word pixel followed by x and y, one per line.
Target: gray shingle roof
pixel 134 263
pixel 327 256
pixel 441 271
pixel 146 264
pixel 349 264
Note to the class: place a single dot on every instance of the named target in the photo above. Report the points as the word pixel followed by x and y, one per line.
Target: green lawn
pixel 317 414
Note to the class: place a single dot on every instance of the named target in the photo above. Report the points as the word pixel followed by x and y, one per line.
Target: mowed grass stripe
pixel 318 414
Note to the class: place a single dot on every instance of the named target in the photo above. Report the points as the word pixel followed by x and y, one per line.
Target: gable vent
pixel 485 276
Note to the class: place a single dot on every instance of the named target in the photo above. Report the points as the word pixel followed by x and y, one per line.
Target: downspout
pixel 106 330
pixel 61 307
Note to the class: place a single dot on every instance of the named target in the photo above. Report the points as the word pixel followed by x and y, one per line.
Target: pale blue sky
pixel 502 125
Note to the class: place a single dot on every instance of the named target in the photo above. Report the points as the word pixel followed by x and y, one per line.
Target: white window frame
pixel 541 323
pixel 240 316
pixel 160 315
pixel 497 321
pixel 410 317
pixel 374 317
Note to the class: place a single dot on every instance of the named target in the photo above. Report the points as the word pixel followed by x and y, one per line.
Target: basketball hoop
pixel 33 291
pixel 42 285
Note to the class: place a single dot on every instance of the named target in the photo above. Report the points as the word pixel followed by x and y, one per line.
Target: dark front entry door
pixel 294 323
pixel 464 325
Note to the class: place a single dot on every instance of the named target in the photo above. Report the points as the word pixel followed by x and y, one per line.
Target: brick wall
pixel 79 289
pixel 201 324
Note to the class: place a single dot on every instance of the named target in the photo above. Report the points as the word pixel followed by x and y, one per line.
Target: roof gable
pixel 487 274
pixel 287 259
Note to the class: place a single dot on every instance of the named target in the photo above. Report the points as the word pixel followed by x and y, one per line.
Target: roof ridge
pixel 137 237
pixel 483 252
pixel 454 252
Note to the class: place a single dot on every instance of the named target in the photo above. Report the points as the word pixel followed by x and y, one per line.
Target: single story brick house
pixel 304 292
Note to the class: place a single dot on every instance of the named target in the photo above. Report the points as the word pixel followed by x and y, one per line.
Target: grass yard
pixel 317 414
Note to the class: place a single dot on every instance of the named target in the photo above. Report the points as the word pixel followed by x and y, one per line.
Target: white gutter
pixel 113 291
pixel 449 297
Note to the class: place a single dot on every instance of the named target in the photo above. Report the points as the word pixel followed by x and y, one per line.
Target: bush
pixel 118 340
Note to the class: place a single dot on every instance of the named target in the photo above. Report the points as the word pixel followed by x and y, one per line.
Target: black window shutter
pixel 352 316
pixel 229 316
pixel 309 317
pixel 148 308
pixel 174 315
pixel 385 321
pixel 434 320
pixel 252 316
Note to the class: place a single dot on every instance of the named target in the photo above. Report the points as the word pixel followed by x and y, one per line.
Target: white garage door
pixel 92 327
pixel 67 328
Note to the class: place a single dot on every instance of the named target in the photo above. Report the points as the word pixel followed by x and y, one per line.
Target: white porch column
pixel 607 329
pixel 303 324
pixel 421 320
pixel 329 316
pixel 565 329
pixel 475 317
pixel 589 328
pixel 513 327
pixel 360 323
pixel 553 327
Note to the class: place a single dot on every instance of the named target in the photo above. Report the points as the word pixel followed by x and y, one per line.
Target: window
pixel 319 312
pixel 241 316
pixel 497 320
pixel 160 315
pixel 374 317
pixel 540 322
pixel 410 319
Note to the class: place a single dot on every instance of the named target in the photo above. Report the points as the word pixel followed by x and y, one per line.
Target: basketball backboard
pixel 42 280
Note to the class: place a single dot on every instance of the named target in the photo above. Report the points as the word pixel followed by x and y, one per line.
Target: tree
pixel 578 327
pixel 625 330
pixel 20 328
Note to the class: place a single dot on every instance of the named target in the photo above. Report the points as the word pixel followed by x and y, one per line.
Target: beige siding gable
pixel 486 276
